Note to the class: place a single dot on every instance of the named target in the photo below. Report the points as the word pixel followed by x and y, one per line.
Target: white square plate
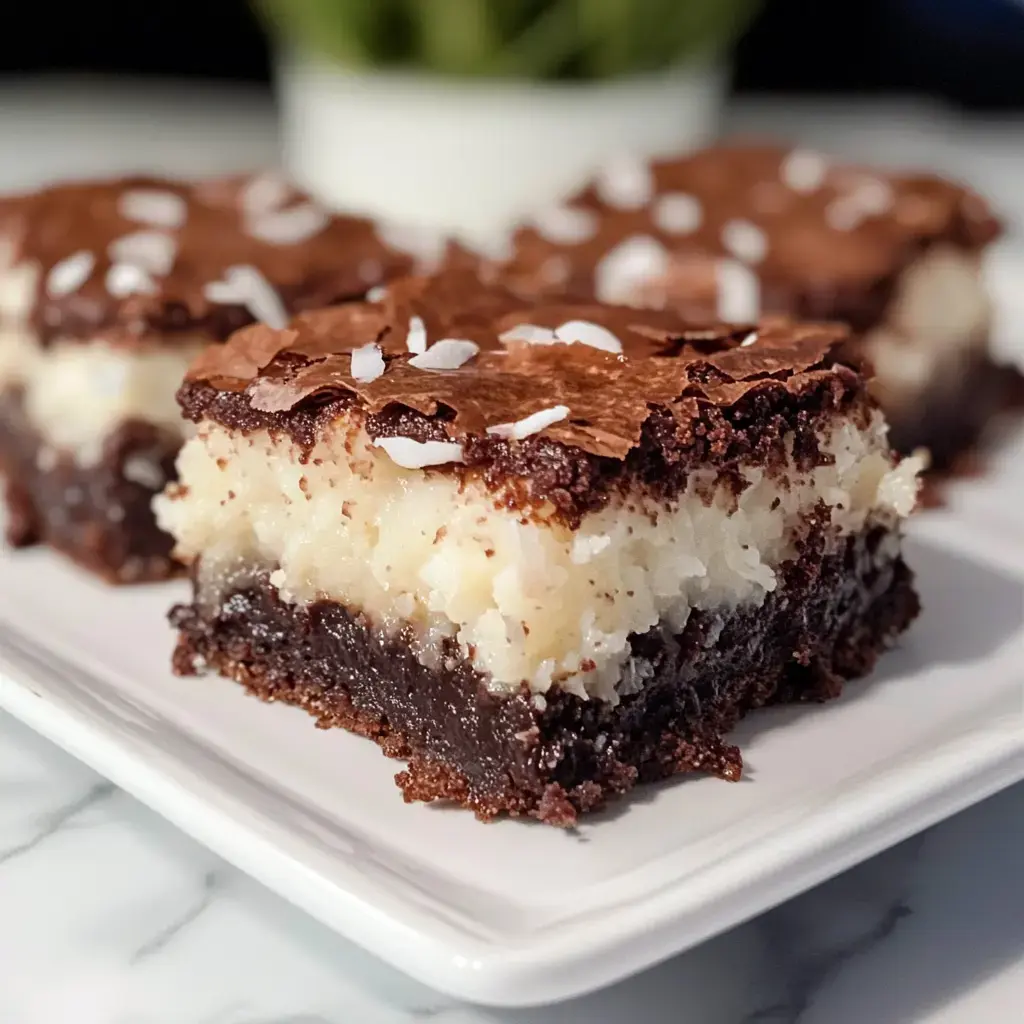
pixel 514 913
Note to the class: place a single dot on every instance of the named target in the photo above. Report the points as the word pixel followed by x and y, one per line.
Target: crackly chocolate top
pixel 822 238
pixel 515 367
pixel 151 257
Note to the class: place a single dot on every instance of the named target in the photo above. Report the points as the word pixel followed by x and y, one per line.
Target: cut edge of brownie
pixel 554 757
pixel 98 515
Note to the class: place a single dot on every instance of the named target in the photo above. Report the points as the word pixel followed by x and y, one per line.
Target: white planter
pixel 473 157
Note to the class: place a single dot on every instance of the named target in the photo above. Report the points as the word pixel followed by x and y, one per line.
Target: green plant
pixel 545 39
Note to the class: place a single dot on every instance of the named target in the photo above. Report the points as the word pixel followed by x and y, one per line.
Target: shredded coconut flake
pixel 739 292
pixel 377 294
pixel 677 213
pixel 530 333
pixel 154 251
pixel 874 196
pixel 416 339
pixel 157 208
pixel 746 241
pixel 244 285
pixel 566 225
pixel 844 214
pixel 583 332
pixel 446 354
pixel 626 183
pixel 70 274
pixel 803 170
pixel 632 264
pixel 367 363
pixel 410 454
pixel 264 193
pixel 586 546
pixel 124 279
pixel 750 339
pixel 532 424
pixel 289 227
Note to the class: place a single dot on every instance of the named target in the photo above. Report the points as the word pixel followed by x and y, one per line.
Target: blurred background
pixel 968 52
pixel 206 86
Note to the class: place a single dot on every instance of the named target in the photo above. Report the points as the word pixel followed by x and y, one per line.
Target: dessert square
pixel 107 291
pixel 741 230
pixel 542 551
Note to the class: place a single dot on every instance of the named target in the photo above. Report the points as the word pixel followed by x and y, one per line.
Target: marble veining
pixel 108 915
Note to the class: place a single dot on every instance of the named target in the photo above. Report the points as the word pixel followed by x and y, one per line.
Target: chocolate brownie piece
pixel 741 230
pixel 541 551
pixel 107 291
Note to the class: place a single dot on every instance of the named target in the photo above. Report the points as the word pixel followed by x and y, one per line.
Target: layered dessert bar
pixel 107 291
pixel 542 552
pixel 738 231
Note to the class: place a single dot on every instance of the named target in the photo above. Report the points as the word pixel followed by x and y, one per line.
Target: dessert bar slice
pixel 107 291
pixel 738 230
pixel 542 552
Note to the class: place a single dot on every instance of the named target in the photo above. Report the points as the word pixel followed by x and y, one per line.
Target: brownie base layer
pixel 558 757
pixel 951 418
pixel 98 515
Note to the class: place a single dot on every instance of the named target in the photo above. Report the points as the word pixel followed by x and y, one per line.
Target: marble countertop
pixel 108 915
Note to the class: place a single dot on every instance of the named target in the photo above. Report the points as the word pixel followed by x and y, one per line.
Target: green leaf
pixel 539 39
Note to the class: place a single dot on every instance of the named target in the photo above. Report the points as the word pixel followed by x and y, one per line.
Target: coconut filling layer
pixel 528 599
pixel 936 326
pixel 77 393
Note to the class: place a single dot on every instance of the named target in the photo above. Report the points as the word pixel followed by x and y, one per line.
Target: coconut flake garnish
pixel 586 546
pixel 124 279
pixel 532 424
pixel 633 263
pixel 289 227
pixel 154 251
pixel 446 354
pixel 874 196
pixel 583 332
pixel 626 183
pixel 70 274
pixel 803 170
pixel 530 333
pixel 264 193
pixel 677 213
pixel 416 339
pixel 155 207
pixel 750 339
pixel 844 214
pixel 746 241
pixel 410 454
pixel 566 225
pixel 367 363
pixel 377 293
pixel 739 292
pixel 244 285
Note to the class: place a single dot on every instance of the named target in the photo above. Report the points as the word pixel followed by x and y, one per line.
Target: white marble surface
pixel 110 916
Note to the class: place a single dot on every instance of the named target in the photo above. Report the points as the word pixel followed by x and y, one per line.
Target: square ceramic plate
pixel 513 913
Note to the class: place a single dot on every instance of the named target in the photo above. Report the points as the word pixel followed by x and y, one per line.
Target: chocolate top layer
pixel 150 257
pixel 824 239
pixel 515 366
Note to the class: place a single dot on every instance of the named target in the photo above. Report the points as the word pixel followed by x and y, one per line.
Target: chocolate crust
pixel 770 428
pixel 835 244
pixel 214 226
pixel 678 397
pixel 561 757
pixel 96 515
